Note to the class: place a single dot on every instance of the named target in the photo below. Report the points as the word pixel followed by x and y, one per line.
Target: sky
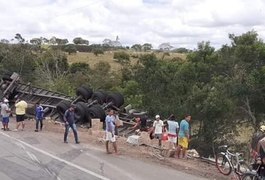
pixel 182 23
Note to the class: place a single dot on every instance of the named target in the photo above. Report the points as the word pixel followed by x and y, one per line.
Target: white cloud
pixel 180 22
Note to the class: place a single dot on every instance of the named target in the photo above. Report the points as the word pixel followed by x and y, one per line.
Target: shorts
pixel 183 142
pixel 20 118
pixel 5 120
pixel 172 139
pixel 110 137
pixel 158 136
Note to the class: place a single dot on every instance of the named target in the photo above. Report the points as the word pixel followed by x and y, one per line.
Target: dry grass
pixel 91 59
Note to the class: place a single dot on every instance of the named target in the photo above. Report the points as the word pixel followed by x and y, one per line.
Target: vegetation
pixel 122 57
pixel 221 88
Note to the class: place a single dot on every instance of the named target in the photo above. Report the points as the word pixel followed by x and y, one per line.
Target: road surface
pixel 39 156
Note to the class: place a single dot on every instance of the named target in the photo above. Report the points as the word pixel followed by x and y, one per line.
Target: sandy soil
pixel 95 136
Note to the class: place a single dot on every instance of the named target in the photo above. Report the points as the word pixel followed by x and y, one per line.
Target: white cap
pixel 6 100
pixel 157 116
pixel 262 128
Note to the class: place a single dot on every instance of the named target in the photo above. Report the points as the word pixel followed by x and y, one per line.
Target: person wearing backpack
pixel 69 119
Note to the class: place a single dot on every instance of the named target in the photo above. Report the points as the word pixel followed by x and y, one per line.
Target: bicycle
pixel 258 172
pixel 226 162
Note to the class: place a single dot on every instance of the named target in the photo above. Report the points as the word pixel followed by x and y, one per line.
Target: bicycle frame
pixel 231 157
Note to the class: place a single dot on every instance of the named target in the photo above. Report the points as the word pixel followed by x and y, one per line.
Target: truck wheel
pixel 62 107
pixel 7 76
pixel 80 112
pixel 81 91
pixel 116 98
pixel 89 90
pixel 86 118
pixel 96 111
pixel 99 96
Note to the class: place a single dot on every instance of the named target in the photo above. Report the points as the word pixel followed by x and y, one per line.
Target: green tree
pixel 36 41
pixel 137 47
pixel 147 47
pixel 70 48
pixel 80 67
pixel 79 40
pixel 19 38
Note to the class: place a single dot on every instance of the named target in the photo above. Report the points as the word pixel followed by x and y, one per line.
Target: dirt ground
pixel 95 136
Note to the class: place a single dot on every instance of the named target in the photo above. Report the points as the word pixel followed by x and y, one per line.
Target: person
pixel 258 144
pixel 110 131
pixel 136 126
pixel 21 107
pixel 183 137
pixel 5 112
pixel 116 123
pixel 158 129
pixel 143 123
pixel 39 116
pixel 172 128
pixel 69 119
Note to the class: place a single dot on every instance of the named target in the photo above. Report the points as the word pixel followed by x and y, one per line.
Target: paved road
pixel 38 156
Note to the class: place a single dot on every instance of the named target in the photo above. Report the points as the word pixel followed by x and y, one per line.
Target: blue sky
pixel 182 23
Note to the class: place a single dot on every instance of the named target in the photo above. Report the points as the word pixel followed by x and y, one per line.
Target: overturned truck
pixel 89 104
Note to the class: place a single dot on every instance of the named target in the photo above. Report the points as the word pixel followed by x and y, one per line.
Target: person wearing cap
pixel 21 107
pixel 158 129
pixel 258 143
pixel 39 116
pixel 69 119
pixel 183 137
pixel 5 112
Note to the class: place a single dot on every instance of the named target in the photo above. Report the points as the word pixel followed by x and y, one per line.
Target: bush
pixel 70 48
pixel 121 57
pixel 98 51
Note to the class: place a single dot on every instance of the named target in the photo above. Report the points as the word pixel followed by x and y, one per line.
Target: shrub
pixel 121 57
pixel 98 51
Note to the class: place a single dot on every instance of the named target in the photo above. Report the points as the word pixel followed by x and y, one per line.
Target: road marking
pixel 57 158
pixel 102 164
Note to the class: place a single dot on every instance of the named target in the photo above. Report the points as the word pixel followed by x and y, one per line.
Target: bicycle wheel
pixel 250 176
pixel 223 164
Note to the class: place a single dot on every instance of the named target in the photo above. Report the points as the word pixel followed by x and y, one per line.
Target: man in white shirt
pixel 158 129
pixel 5 112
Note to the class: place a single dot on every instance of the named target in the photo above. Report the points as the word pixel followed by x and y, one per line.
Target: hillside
pixel 91 59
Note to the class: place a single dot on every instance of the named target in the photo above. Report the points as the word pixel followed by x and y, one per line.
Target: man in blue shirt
pixel 39 116
pixel 110 131
pixel 69 118
pixel 183 137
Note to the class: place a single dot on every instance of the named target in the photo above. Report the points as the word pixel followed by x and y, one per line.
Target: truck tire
pixel 62 107
pixel 86 118
pixel 83 92
pixel 89 90
pixel 7 76
pixel 116 98
pixel 99 96
pixel 80 112
pixel 13 94
pixel 96 111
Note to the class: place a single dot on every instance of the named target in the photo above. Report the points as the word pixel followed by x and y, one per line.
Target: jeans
pixel 39 120
pixel 73 127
